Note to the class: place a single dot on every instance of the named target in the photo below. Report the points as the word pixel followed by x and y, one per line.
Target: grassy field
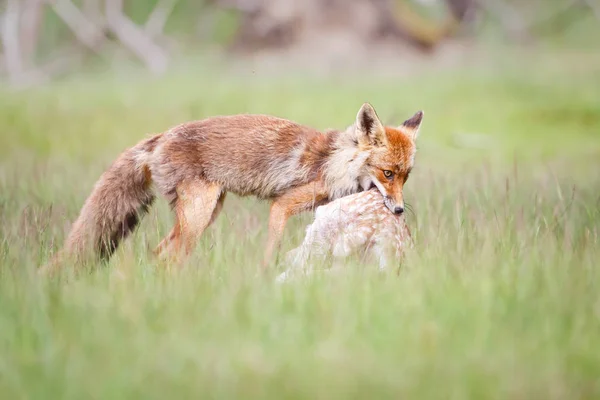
pixel 499 299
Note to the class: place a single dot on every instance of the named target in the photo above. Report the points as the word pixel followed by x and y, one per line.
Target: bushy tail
pixel 119 199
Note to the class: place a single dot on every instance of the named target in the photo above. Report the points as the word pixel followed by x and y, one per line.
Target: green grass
pixel 499 299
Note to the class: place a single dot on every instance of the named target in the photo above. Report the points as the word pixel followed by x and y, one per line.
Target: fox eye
pixel 387 173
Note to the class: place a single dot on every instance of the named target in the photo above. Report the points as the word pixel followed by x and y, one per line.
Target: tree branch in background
pixel 10 41
pixel 93 11
pixel 155 24
pixel 62 62
pixel 560 18
pixel 85 30
pixel 31 23
pixel 420 31
pixel 460 8
pixel 594 7
pixel 509 18
pixel 132 37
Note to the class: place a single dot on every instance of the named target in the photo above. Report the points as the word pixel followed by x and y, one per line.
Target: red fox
pixel 355 224
pixel 195 164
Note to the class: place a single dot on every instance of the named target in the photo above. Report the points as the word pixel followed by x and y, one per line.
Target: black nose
pixel 398 210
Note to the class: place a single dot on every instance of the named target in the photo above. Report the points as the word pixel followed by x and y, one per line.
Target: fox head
pixel 390 154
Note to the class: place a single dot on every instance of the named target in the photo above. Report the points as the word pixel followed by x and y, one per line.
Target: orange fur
pixel 295 201
pixel 194 165
pixel 396 159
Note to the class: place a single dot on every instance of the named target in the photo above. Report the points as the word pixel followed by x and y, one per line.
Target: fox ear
pixel 411 126
pixel 369 126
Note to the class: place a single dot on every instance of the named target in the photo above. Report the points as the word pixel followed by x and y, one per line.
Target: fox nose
pixel 398 210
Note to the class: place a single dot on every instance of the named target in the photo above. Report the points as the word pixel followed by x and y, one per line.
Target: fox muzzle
pixel 395 207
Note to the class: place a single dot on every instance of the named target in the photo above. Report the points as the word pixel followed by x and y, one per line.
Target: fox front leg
pixel 295 201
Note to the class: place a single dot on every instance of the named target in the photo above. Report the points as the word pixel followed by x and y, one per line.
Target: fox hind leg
pixel 197 205
pixel 218 208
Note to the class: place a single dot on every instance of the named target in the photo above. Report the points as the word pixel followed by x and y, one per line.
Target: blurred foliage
pixel 194 28
pixel 196 23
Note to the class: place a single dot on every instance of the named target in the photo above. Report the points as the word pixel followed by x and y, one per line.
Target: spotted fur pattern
pixel 357 224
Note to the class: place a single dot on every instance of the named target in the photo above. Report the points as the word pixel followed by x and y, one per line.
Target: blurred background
pixel 43 40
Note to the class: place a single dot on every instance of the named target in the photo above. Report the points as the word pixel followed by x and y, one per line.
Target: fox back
pixel 246 154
